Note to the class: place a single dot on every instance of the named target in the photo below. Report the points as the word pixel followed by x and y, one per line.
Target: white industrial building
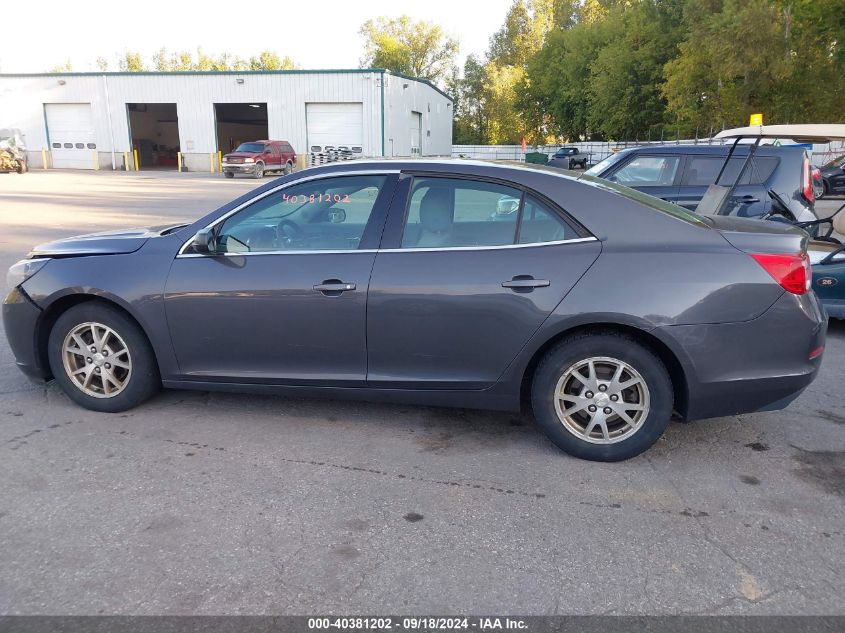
pixel 99 120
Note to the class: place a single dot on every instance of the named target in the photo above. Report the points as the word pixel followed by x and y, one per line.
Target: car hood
pixel 104 243
pixel 242 154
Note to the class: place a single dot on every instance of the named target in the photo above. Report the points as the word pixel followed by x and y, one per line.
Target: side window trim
pixel 377 216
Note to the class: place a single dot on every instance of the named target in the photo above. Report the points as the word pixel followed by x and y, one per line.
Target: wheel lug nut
pixel 608 410
pixel 592 408
pixel 589 394
pixel 602 387
pixel 97 369
pixel 105 352
pixel 108 365
pixel 614 397
pixel 89 360
pixel 93 350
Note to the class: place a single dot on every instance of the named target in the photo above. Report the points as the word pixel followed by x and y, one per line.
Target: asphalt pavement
pixel 199 503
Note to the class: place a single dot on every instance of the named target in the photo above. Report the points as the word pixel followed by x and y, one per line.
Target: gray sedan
pixel 603 308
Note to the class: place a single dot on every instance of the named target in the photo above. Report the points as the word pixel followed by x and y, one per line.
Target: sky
pixel 39 35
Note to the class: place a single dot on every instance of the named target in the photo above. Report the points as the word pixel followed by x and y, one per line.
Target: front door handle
pixel 333 287
pixel 525 283
pixel 746 199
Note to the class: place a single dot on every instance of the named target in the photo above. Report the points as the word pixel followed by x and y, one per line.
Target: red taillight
pixel 817 352
pixel 792 272
pixel 807 181
pixel 817 174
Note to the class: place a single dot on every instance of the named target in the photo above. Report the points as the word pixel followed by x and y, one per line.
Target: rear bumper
pixel 758 365
pixel 20 320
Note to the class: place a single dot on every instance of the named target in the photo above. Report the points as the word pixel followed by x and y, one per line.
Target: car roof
pixel 741 149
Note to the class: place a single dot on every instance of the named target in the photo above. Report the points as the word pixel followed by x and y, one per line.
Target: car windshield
pixel 250 147
pixel 835 162
pixel 602 166
pixel 649 201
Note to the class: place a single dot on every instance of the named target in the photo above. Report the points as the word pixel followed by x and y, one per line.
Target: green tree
pixel 407 46
pixel 131 62
pixel 268 60
pixel 102 64
pixel 624 89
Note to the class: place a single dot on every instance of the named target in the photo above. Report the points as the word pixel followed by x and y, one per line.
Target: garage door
pixel 335 124
pixel 416 133
pixel 70 128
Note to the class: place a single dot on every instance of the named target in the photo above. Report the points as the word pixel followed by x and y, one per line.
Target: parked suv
pixel 682 173
pixel 257 157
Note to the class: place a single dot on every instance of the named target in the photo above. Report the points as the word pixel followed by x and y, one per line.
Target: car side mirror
pixel 336 216
pixel 205 241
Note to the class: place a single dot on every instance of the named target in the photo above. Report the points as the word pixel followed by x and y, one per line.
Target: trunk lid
pixel 759 236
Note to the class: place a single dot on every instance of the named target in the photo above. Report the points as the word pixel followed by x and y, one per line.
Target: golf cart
pixel 826 251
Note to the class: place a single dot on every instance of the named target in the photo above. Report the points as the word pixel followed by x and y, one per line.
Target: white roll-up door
pixel 334 124
pixel 70 128
pixel 416 133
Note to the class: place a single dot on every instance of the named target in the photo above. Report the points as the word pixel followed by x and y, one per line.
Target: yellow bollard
pixel 96 160
pixel 137 162
pixel 43 158
pixel 220 160
pixel 179 162
pixel 125 161
pixel 211 162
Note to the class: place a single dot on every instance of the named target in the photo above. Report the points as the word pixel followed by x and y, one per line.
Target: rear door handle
pixel 525 283
pixel 333 287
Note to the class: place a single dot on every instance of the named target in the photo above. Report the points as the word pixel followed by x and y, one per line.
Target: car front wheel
pixel 602 397
pixel 102 359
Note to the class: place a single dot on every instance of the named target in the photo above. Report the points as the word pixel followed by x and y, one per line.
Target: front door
pixel 656 175
pixel 283 300
pixel 477 269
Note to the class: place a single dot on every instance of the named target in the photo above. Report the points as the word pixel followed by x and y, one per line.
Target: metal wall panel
pixel 22 99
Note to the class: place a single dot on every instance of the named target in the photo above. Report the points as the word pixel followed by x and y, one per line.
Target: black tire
pixel 288 168
pixel 22 167
pixel 259 171
pixel 143 381
pixel 230 174
pixel 616 346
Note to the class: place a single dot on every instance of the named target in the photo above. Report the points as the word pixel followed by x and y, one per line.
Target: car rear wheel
pixel 230 174
pixel 288 168
pixel 602 397
pixel 259 171
pixel 102 359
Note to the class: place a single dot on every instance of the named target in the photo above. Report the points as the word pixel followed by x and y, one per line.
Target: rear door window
pixel 451 212
pixel 701 171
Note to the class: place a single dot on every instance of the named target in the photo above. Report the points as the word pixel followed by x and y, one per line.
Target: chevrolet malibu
pixel 604 308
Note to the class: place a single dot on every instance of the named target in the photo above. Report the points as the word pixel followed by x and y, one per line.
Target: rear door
pixel 750 199
pixel 467 272
pixel 658 175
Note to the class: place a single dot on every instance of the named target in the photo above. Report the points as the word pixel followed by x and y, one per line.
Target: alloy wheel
pixel 97 360
pixel 601 400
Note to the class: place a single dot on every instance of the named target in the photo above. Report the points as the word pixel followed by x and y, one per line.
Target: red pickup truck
pixel 257 157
